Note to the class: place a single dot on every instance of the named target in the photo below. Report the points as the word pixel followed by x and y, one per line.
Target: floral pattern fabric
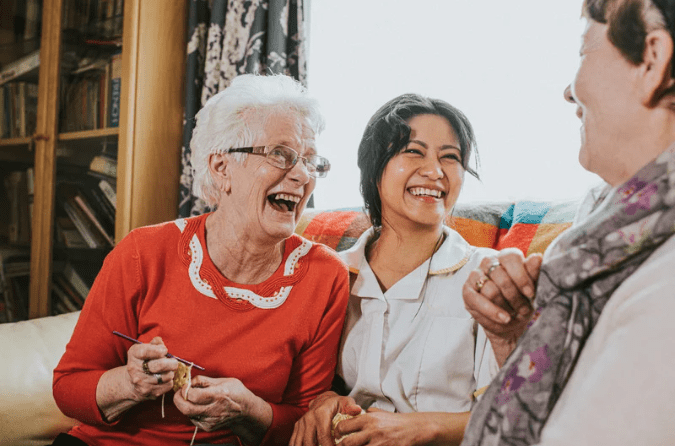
pixel 228 38
pixel 582 270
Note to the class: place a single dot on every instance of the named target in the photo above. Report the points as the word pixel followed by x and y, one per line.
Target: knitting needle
pixel 168 355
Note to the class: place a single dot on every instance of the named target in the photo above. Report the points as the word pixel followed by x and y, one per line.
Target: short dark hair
pixel 388 132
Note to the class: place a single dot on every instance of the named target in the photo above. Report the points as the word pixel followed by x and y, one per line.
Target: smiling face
pixel 420 184
pixel 271 199
pixel 606 93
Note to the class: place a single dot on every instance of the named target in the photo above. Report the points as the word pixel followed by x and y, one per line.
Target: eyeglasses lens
pixel 285 158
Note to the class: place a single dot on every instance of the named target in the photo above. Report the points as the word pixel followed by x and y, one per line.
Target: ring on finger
pixel 158 376
pixel 480 283
pixel 146 369
pixel 493 267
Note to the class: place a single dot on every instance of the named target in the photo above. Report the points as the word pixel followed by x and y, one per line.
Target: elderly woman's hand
pixel 213 403
pixel 150 372
pixel 315 426
pixel 147 375
pixel 499 293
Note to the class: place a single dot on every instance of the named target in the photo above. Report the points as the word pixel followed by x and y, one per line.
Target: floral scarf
pixel 583 268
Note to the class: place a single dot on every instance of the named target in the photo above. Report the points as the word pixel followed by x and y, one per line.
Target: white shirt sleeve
pixel 622 390
pixel 485 363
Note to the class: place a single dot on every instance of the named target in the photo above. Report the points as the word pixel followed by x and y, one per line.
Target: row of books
pixel 86 214
pixel 19 189
pixel 69 289
pixel 92 99
pixel 18 109
pixel 101 18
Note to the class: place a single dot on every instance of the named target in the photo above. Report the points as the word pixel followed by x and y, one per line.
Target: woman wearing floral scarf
pixel 596 362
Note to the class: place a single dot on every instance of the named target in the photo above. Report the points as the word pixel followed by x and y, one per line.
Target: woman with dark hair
pixel 411 355
pixel 595 367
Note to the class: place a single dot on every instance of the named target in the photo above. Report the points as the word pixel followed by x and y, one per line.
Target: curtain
pixel 228 38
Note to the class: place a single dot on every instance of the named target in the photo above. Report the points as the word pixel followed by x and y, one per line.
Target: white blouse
pixel 415 348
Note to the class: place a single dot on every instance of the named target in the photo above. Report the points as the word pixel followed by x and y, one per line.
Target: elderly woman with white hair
pixel 595 367
pixel 235 291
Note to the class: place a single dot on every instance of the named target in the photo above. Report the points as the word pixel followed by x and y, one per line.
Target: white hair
pixel 236 116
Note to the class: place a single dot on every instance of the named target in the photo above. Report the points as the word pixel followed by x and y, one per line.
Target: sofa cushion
pixel 31 349
pixel 527 225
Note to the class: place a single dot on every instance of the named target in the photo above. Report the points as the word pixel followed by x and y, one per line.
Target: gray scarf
pixel 583 268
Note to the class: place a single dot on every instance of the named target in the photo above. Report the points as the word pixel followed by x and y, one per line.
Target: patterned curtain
pixel 232 37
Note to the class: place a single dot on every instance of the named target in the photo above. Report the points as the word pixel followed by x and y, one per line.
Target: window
pixel 504 64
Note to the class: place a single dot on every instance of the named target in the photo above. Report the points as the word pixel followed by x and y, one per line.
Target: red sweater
pixel 285 355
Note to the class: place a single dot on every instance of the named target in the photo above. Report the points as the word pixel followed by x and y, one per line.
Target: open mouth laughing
pixel 283 202
pixel 425 192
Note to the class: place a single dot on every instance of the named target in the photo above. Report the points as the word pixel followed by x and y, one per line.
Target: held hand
pixel 225 402
pixel 149 371
pixel 499 296
pixel 380 428
pixel 315 426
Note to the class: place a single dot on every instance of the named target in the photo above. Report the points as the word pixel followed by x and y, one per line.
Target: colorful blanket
pixel 527 225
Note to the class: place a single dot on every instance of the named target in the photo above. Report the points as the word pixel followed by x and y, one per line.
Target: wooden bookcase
pixel 149 135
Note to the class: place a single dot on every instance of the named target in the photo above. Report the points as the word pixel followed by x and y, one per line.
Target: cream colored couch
pixel 31 349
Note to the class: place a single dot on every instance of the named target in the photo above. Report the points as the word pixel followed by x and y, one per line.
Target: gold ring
pixel 159 378
pixel 146 369
pixel 481 283
pixel 493 267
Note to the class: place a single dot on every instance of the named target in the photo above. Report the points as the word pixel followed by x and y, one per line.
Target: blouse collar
pixel 453 253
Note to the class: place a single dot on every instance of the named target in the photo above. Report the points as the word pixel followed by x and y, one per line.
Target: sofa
pixel 31 349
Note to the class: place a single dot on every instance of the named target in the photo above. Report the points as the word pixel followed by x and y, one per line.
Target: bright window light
pixel 504 64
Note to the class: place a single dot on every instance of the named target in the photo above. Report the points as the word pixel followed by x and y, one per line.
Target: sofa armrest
pixel 30 351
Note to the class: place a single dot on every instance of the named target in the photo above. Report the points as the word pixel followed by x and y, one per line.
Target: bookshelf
pixel 148 135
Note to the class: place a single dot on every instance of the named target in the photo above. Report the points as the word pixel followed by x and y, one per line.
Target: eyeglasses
pixel 285 158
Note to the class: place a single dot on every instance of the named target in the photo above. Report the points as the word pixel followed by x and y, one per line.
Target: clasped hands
pixel 499 294
pixel 375 427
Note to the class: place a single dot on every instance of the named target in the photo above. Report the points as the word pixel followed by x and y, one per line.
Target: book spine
pixel 109 192
pixel 69 289
pixel 76 280
pixel 81 226
pixel 20 67
pixel 89 212
pixel 115 89
pixel 14 109
pixel 31 103
pixel 103 205
pixel 30 187
pixel 21 108
pixel 63 297
pixel 104 165
pixel 32 19
pixel 3 125
pixel 12 186
pixel 8 114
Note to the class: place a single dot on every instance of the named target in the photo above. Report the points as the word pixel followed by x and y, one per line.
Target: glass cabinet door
pixel 86 151
pixel 20 35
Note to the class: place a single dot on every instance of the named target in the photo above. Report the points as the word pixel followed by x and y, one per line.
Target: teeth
pixel 287 197
pixel 424 191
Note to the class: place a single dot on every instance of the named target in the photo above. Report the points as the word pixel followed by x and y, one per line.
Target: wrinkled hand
pixel 503 306
pixel 147 386
pixel 381 428
pixel 214 403
pixel 314 428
